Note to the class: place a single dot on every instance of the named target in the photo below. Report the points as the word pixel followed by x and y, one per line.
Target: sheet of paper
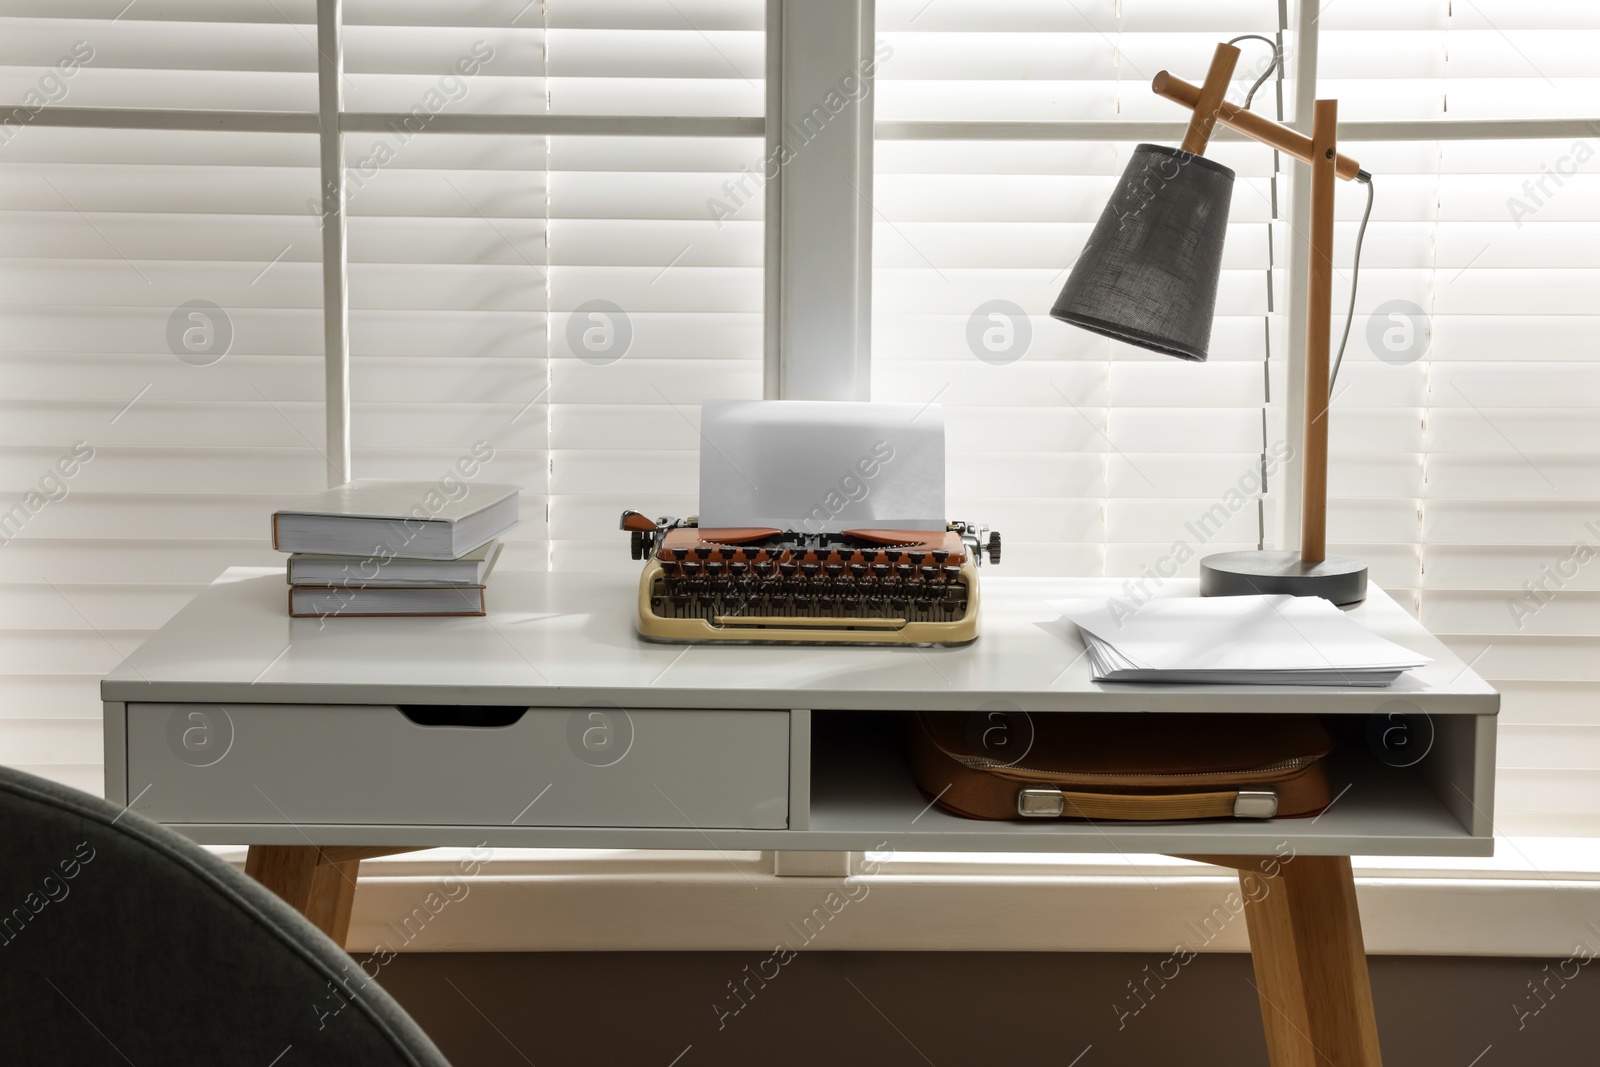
pixel 822 466
pixel 1236 634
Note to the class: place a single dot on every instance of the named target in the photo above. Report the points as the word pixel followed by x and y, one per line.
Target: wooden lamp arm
pixel 1248 123
pixel 1320 151
pixel 1207 102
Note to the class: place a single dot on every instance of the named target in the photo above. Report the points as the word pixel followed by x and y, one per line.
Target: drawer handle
pixel 481 716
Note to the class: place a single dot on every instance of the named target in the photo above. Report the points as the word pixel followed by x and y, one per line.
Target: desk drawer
pixel 311 764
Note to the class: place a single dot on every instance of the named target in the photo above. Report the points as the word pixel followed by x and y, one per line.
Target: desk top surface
pixel 569 639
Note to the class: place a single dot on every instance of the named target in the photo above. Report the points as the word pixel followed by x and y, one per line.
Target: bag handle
pixel 1230 803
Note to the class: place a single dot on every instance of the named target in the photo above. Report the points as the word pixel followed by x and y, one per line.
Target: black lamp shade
pixel 1148 275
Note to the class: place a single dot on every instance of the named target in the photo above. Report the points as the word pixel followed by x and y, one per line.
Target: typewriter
pixel 753 584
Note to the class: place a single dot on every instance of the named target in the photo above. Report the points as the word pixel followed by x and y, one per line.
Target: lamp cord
pixel 1355 274
pixel 1277 57
pixel 1361 233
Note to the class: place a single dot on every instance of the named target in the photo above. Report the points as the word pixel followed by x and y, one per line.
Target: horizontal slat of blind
pixel 298 12
pixel 1437 59
pixel 1036 59
pixel 140 61
pixel 561 57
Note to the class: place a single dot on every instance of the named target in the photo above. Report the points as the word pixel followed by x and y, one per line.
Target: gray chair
pixel 121 942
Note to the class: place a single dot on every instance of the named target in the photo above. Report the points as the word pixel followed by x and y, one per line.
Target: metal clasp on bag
pixel 1042 803
pixel 1255 804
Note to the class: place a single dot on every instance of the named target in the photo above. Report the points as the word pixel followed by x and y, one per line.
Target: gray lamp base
pixel 1341 579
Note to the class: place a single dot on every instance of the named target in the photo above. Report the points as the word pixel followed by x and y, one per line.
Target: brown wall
pixel 913 1009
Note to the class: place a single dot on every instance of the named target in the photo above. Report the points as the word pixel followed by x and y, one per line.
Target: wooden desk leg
pixel 319 883
pixel 1310 963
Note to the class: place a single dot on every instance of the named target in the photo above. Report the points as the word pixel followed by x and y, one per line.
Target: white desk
pixel 549 723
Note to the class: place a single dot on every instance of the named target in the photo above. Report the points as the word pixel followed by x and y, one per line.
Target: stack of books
pixel 1271 639
pixel 372 547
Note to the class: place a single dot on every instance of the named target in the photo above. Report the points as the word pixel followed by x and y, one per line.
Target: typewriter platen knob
pixel 993 547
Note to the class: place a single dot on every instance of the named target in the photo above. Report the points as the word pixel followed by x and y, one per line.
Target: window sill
pixel 1535 898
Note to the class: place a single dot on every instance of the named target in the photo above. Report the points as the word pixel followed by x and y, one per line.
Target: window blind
pixel 1465 449
pixel 567 300
pixel 1471 59
pixel 570 300
pixel 181 433
pixel 1090 456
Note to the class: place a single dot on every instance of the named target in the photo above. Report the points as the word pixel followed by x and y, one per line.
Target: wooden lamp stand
pixel 1310 571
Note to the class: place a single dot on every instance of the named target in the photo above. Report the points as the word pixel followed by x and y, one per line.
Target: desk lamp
pixel 1148 276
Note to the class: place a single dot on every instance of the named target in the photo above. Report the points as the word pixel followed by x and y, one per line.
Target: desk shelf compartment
pixel 331 764
pixel 861 785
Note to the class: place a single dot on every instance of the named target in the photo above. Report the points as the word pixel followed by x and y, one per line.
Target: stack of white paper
pixel 1272 639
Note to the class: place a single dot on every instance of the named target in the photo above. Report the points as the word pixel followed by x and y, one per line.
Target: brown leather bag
pixel 1010 765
